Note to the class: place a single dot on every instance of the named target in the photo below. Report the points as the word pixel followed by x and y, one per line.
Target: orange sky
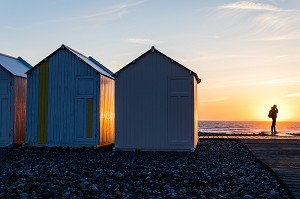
pixel 245 87
pixel 247 103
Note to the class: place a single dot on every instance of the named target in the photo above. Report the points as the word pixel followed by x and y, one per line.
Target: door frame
pixel 86 97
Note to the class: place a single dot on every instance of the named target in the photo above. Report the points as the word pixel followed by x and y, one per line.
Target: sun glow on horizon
pixel 241 101
pixel 285 112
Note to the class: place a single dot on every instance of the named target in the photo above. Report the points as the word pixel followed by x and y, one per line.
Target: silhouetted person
pixel 273 113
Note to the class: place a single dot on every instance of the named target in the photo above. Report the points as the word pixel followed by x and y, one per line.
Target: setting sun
pixel 284 112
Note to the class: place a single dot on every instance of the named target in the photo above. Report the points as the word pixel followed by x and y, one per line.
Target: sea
pixel 231 127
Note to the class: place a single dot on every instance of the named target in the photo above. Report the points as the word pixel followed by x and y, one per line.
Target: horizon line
pixel 243 121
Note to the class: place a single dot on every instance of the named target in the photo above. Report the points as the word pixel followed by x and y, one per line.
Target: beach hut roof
pixel 88 60
pixel 152 50
pixel 16 66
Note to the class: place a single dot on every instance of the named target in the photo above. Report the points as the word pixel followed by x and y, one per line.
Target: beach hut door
pixel 85 110
pixel 5 111
pixel 178 110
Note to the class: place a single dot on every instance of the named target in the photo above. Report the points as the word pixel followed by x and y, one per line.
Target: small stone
pixel 22 179
pixel 118 193
pixel 21 185
pixel 193 166
pixel 67 194
pixel 266 177
pixel 24 195
pixel 69 189
pixel 33 194
pixel 167 187
pixel 94 188
pixel 139 189
pixel 247 196
pixel 183 190
pixel 83 184
pixel 176 175
pixel 274 194
pixel 81 180
pixel 119 175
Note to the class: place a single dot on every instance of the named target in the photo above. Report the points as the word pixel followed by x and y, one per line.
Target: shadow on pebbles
pixel 217 169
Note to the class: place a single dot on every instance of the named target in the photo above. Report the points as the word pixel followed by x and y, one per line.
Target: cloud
pixel 117 10
pixel 215 87
pixel 207 57
pixel 143 41
pixel 37 24
pixel 219 99
pixel 107 13
pixel 249 5
pixel 215 57
pixel 293 95
pixel 268 23
pixel 279 26
pixel 16 28
pixel 278 82
pixel 278 37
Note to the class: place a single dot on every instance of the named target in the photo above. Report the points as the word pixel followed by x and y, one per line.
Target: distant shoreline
pixel 246 121
pixel 242 134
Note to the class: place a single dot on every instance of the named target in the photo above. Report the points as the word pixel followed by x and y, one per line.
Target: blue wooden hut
pixel 156 105
pixel 70 101
pixel 12 99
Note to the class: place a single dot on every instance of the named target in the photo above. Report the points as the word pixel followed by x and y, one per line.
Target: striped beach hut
pixel 13 82
pixel 156 105
pixel 70 101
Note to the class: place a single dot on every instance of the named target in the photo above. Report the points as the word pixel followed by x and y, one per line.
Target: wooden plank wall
pixel 20 88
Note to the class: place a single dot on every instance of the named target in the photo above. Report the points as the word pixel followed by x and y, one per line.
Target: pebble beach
pixel 217 169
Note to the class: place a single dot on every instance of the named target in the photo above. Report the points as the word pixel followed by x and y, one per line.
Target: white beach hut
pixel 13 82
pixel 70 101
pixel 156 105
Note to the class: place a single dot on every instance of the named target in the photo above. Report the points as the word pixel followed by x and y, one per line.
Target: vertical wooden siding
pixel 32 101
pixel 43 103
pixel 20 88
pixel 6 115
pixel 142 104
pixel 89 118
pixel 65 69
pixel 195 113
pixel 107 111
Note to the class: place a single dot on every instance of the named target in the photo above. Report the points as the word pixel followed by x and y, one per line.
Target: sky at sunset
pixel 247 53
